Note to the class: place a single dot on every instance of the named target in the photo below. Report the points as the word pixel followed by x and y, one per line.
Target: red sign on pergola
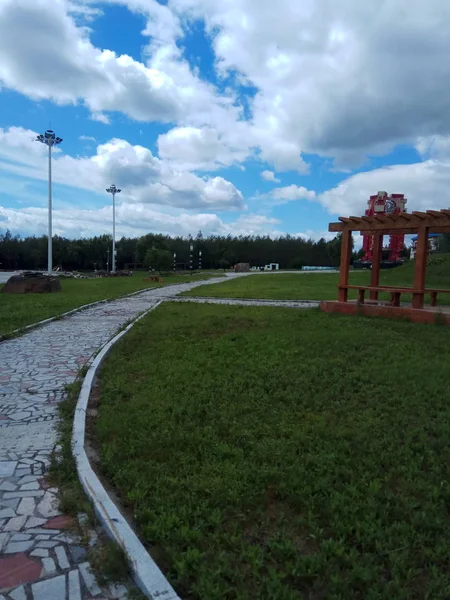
pixel 420 223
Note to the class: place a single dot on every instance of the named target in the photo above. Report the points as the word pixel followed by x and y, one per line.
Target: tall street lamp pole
pixel 113 190
pixel 49 139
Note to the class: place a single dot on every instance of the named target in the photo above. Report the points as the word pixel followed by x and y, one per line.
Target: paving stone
pixel 11 503
pixel 48 506
pixel 31 494
pixel 61 557
pixel 16 547
pixel 27 479
pixel 46 544
pixel 7 512
pixel 7 468
pixel 50 589
pixel 74 586
pixel 41 552
pixel 7 486
pixel 20 537
pixel 49 566
pixel 89 578
pixel 29 486
pixel 26 506
pixel 78 552
pixel 4 537
pixel 18 593
pixel 15 524
pixel 18 569
pixel 34 522
pixel 59 522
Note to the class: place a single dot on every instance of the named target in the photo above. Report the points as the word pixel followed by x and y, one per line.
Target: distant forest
pixel 217 251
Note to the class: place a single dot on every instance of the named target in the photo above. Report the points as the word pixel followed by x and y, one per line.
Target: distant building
pixel 433 243
pixel 272 267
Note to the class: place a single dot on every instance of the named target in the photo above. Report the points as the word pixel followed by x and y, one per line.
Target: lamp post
pixel 49 139
pixel 200 260
pixel 113 190
pixel 174 261
pixel 191 256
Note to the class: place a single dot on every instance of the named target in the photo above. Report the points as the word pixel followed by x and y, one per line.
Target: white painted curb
pixel 246 301
pixel 146 573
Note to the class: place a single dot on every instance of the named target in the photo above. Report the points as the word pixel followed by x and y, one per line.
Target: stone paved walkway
pixel 39 558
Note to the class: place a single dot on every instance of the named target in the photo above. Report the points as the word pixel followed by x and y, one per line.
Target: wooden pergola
pixel 420 223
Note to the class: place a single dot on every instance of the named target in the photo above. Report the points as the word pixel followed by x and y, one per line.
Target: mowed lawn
pixel 19 310
pixel 283 454
pixel 323 286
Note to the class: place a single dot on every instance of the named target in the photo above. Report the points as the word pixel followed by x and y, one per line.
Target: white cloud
pixel 100 118
pixel 204 148
pixel 143 177
pixel 132 220
pixel 56 60
pixel 269 176
pixel 87 138
pixel 289 193
pixel 425 185
pixel 337 78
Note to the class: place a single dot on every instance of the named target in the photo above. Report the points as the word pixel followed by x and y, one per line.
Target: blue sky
pixel 235 117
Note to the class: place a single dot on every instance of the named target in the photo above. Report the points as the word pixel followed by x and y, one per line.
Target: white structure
pixel 49 139
pixel 433 243
pixel 113 190
pixel 272 267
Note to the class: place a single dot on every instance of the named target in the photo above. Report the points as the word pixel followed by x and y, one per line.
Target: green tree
pixel 158 259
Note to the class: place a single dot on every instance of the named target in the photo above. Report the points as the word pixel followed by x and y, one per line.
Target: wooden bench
pixel 395 292
pixel 433 293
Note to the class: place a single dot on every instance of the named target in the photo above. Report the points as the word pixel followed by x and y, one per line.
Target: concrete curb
pixel 146 573
pixel 244 301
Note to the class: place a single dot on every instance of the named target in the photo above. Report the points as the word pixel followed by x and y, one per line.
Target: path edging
pixel 146 573
pixel 243 301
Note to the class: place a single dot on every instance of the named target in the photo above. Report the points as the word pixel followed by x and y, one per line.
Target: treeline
pixel 217 251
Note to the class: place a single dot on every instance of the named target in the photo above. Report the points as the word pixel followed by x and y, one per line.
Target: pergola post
pixel 376 260
pixel 420 267
pixel 346 252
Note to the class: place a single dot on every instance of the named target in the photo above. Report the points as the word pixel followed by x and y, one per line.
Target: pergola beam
pixel 435 221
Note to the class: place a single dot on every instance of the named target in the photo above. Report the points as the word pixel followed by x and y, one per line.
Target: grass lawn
pixel 20 310
pixel 280 454
pixel 323 286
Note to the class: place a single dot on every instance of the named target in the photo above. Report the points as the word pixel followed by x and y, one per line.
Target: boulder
pixel 242 268
pixel 31 283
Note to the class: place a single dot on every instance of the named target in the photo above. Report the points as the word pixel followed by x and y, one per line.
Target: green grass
pixel 323 286
pixel 280 454
pixel 17 311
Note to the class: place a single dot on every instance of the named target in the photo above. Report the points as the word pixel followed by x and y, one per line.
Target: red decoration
pixel 382 204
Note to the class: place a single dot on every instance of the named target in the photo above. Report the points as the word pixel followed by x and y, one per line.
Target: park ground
pixel 280 453
pixel 323 286
pixel 17 311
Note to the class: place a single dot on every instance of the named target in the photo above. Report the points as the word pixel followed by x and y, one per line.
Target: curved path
pixel 39 560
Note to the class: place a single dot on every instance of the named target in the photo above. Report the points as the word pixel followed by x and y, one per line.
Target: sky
pixel 241 117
